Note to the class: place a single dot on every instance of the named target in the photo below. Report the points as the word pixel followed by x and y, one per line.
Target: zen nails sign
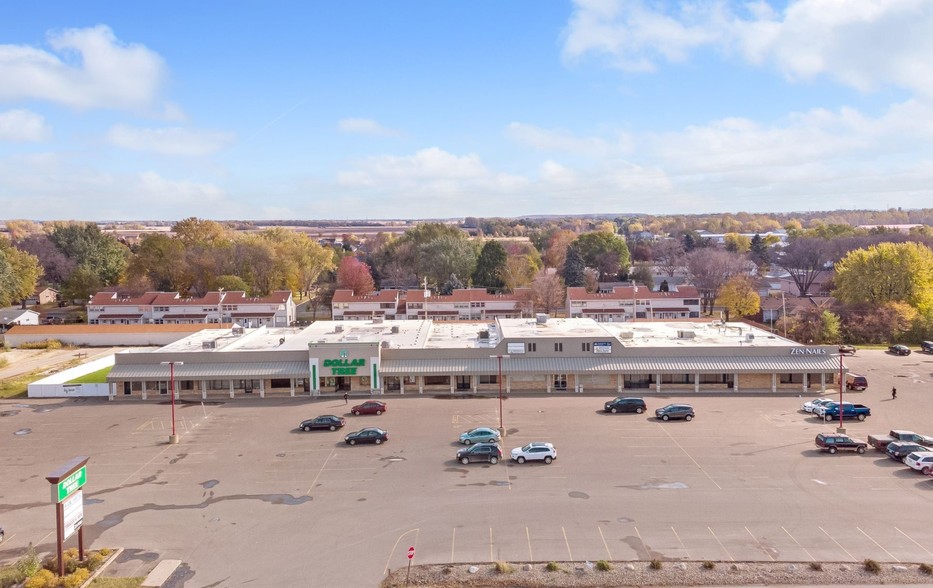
pixel 807 351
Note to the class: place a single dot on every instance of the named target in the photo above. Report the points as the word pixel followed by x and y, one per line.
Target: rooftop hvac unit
pixel 384 344
pixel 338 328
pixel 377 320
pixel 395 329
pixel 237 331
pixel 626 335
pixel 542 318
pixel 484 334
pixel 686 334
pixel 208 344
pixel 750 336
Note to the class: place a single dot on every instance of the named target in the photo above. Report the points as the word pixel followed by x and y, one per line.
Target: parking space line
pixel 798 544
pixel 760 546
pixel 837 543
pixel 679 446
pixel 684 547
pixel 912 540
pixel 567 543
pixel 878 544
pixel 606 545
pixel 453 541
pixel 397 541
pixel 320 471
pixel 528 536
pixel 720 543
pixel 638 534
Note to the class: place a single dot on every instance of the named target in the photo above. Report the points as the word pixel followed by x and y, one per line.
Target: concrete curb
pixel 113 557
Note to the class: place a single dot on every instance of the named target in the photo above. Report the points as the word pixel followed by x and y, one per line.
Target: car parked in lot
pixel 367 435
pixel 849 411
pixel 325 421
pixel 534 451
pixel 899 350
pixel 675 411
pixel 899 450
pixel 881 441
pixel 847 349
pixel 856 382
pixel 820 410
pixel 488 452
pixel 812 405
pixel 479 435
pixel 626 404
pixel 833 442
pixel 369 407
pixel 926 346
pixel 922 461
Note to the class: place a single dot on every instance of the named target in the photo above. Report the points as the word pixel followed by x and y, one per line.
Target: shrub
pixel 708 565
pixel 41 579
pixel 503 567
pixel 552 566
pixel 448 570
pixel 45 344
pixel 4 362
pixel 105 551
pixel 10 576
pixel 29 564
pixel 94 561
pixel 816 566
pixel 603 565
pixel 926 568
pixel 655 564
pixel 76 579
pixel 871 566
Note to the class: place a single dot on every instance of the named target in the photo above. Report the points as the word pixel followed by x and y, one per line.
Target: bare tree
pixel 709 269
pixel 805 258
pixel 669 256
pixel 547 291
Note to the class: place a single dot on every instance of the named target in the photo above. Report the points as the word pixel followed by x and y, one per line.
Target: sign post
pixel 66 483
pixel 411 556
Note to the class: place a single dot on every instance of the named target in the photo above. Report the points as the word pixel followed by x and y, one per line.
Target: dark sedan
pixel 325 421
pixel 626 404
pixel 900 449
pixel 369 407
pixel 675 411
pixel 899 350
pixel 367 435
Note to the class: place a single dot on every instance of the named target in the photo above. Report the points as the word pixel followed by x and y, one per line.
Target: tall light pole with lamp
pixel 173 439
pixel 499 379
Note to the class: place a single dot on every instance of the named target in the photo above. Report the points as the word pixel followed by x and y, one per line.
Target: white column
pixel 262 388
pixel 452 380
pixel 401 384
pixel 145 390
pixel 822 382
pixel 735 382
pixel 231 388
pixel 112 390
pixel 774 382
pixel 696 382
pixel 548 380
pixel 508 384
pixel 473 382
pixel 175 388
pixel 806 378
pixel 657 384
pixel 291 383
pixel 203 390
pixel 420 384
pixel 620 382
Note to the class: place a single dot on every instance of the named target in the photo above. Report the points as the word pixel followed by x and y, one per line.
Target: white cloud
pixel 861 43
pixel 90 68
pixel 170 141
pixel 564 141
pixel 365 126
pixel 23 125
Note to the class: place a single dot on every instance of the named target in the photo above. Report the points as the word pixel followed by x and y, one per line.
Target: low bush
pixel 76 579
pixel 503 567
pixel 30 563
pixel 816 566
pixel 603 566
pixel 44 344
pixel 708 565
pixel 926 568
pixel 3 362
pixel 552 566
pixel 41 579
pixel 871 566
pixel 94 561
pixel 10 576
pixel 655 564
pixel 105 551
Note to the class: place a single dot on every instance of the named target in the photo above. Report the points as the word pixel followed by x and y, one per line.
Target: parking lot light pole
pixel 840 429
pixel 173 439
pixel 501 425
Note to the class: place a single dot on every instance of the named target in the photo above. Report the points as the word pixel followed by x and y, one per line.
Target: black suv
pixel 833 442
pixel 900 449
pixel 625 404
pixel 675 411
pixel 489 452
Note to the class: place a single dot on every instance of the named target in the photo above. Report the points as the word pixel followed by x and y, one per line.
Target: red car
pixel 369 407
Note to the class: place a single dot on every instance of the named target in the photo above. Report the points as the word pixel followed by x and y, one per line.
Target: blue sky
pixel 372 109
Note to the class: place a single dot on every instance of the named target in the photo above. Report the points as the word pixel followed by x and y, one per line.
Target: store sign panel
pixel 807 351
pixel 602 347
pixel 343 367
pixel 72 513
pixel 515 348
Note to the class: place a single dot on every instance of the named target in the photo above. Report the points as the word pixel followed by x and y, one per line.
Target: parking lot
pixel 245 497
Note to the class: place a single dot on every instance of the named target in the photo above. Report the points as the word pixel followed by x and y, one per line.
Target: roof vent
pixel 384 344
pixel 208 344
pixel 626 335
pixel 338 328
pixel 542 318
pixel 750 337
pixel 237 331
pixel 686 334
pixel 395 329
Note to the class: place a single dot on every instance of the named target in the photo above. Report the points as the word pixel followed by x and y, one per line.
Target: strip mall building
pixel 538 355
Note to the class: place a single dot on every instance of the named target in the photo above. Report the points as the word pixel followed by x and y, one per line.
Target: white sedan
pixel 535 451
pixel 812 405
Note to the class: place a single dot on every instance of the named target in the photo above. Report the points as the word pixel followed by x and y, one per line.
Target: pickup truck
pixel 849 411
pixel 880 442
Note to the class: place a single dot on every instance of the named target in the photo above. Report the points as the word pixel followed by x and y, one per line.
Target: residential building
pixel 626 303
pixel 12 316
pixel 460 305
pixel 111 308
pixel 43 296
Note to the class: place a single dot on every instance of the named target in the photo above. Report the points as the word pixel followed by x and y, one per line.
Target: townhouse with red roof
pixel 460 305
pixel 112 308
pixel 626 303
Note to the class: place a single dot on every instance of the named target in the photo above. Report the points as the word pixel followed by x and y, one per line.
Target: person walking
pixel 893 393
pixel 346 398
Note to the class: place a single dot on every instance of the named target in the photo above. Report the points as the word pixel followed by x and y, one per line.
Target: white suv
pixel 922 461
pixel 812 405
pixel 536 450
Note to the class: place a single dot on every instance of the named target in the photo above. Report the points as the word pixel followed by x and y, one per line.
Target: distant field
pixel 98 377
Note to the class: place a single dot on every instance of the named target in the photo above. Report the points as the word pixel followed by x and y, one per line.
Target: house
pixel 43 296
pixel 461 304
pixel 12 316
pixel 625 303
pixel 111 308
pixel 773 307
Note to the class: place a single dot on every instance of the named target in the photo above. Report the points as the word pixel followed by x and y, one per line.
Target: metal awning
pixel 210 371
pixel 613 365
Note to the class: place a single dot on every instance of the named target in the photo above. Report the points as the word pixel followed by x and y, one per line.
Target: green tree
pixel 759 253
pixel 604 251
pixel 440 258
pixel 82 284
pixel 574 268
pixel 162 260
pixel 519 271
pixel 831 328
pixel 93 250
pixel 642 274
pixel 737 243
pixel 489 265
pixel 887 272
pixel 24 272
pixel 230 283
pixel 738 296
